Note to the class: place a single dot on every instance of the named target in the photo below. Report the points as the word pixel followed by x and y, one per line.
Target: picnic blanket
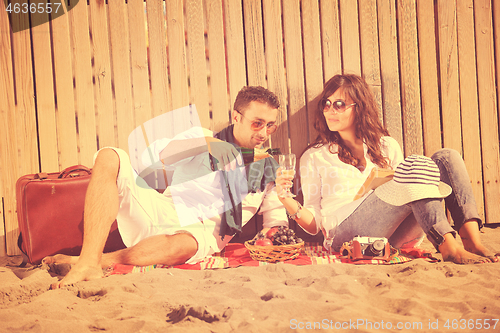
pixel 236 254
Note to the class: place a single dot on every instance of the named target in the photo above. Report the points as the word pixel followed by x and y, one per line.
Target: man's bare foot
pixel 79 273
pixel 59 259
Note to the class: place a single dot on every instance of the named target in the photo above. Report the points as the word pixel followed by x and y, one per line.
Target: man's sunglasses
pixel 257 125
pixel 338 106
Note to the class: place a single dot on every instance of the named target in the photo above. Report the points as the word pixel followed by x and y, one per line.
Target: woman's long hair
pixel 368 126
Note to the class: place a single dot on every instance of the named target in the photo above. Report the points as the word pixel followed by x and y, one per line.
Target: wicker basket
pixel 274 253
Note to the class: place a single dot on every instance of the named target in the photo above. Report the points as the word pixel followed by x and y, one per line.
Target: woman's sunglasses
pixel 338 106
pixel 257 125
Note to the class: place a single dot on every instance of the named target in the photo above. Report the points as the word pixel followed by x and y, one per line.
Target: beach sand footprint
pixel 270 295
pixel 89 292
pixel 180 313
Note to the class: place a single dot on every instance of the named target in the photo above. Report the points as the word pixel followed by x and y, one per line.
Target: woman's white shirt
pixel 329 185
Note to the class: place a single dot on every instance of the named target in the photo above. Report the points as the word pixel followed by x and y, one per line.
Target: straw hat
pixel 417 177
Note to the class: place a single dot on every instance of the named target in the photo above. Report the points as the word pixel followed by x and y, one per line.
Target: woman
pixel 350 144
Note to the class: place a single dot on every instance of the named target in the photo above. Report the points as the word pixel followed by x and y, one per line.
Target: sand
pixel 418 296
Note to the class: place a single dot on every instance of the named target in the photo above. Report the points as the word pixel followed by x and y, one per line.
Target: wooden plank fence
pixel 88 78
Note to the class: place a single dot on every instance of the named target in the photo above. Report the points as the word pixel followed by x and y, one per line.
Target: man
pixel 150 224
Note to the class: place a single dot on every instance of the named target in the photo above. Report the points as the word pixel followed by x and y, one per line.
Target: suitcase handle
pixel 68 172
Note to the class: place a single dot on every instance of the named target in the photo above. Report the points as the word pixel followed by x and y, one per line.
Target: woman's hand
pixel 284 181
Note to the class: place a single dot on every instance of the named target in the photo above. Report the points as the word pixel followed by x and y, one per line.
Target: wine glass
pixel 287 164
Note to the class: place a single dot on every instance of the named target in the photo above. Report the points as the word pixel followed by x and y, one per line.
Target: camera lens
pixel 375 249
pixel 378 245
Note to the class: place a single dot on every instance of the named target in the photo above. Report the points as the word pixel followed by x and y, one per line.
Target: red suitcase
pixel 50 214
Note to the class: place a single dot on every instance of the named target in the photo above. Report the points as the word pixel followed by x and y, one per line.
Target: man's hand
pixel 226 156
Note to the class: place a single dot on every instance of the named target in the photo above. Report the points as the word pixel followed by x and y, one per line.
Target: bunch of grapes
pixel 277 236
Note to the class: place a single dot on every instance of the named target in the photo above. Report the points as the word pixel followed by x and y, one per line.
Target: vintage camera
pixel 366 248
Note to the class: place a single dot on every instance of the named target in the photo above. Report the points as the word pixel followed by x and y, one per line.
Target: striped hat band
pixel 417 170
pixel 416 178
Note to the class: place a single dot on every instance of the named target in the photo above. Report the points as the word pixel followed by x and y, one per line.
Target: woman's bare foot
pixel 452 251
pixel 470 235
pixel 79 273
pixel 479 249
pixel 461 256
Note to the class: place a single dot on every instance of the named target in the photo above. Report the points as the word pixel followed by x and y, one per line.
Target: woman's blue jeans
pixel 405 226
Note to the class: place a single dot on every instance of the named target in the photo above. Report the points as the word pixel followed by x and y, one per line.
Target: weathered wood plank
pixel 3 240
pixel 177 56
pixel 65 95
pixel 84 92
pixel 351 54
pixel 370 55
pixel 368 34
pixel 313 69
pixel 25 96
pixel 107 134
pixel 254 43
pixel 429 89
pixel 25 132
pixel 158 63
pixel 410 83
pixel 389 70
pixel 448 54
pixel 140 75
pixel 235 47
pixel 276 81
pixel 217 60
pixel 496 38
pixel 44 83
pixel 139 61
pixel 197 60
pixel 8 144
pixel 468 99
pixel 161 97
pixel 488 108
pixel 297 116
pixel 330 37
pixel 122 81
